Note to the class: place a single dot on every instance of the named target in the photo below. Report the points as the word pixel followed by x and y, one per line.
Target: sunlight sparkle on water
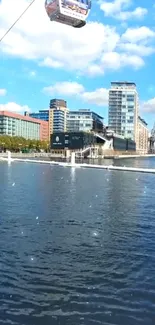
pixel 95 234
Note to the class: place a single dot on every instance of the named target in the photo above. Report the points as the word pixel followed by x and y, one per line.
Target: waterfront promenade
pixel 51 155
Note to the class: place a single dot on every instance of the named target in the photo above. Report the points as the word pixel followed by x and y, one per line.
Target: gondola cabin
pixel 69 12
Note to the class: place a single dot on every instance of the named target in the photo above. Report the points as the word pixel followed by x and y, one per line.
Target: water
pixel 77 246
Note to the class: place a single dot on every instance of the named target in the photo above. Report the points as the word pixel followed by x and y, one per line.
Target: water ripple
pixel 76 251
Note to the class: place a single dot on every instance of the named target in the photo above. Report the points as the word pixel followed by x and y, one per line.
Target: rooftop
pixel 84 111
pixel 21 117
pixel 142 120
pixel 121 83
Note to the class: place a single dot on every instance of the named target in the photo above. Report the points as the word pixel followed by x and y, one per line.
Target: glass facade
pixel 41 115
pixel 58 120
pixel 123 109
pixel 84 121
pixel 57 115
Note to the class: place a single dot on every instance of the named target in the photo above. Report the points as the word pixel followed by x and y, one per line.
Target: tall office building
pixel 123 109
pixel 57 116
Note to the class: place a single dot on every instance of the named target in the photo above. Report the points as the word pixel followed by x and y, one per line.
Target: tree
pixel 18 143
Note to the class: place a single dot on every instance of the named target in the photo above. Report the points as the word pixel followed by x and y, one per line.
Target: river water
pixel 77 246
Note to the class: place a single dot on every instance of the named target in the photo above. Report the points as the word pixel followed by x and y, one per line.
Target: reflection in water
pixel 73 174
pixel 77 246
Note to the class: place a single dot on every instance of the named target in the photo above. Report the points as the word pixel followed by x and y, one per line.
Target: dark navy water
pixel 77 247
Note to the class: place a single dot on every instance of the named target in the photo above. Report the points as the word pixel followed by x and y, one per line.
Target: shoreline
pixel 72 164
pixel 53 156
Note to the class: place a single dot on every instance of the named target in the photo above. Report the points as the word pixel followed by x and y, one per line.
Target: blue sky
pixel 42 59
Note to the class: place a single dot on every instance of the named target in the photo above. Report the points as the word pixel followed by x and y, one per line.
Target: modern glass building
pixel 57 115
pixel 60 119
pixel 123 109
pixel 84 120
pixel 23 126
pixel 41 115
pixel 57 119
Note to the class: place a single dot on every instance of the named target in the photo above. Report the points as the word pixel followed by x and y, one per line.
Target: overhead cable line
pixel 22 14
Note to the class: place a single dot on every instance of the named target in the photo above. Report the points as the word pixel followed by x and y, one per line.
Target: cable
pixel 17 20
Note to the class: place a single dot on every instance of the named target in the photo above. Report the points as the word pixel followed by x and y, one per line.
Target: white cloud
pixel 95 70
pixel 140 50
pixel 110 8
pixel 148 106
pixel 142 33
pixel 3 92
pixel 64 88
pixel 55 45
pixel 14 107
pixel 118 10
pixel 48 62
pixel 98 97
pixel 138 13
pixel 115 61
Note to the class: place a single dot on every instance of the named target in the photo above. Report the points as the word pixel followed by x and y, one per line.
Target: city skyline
pixel 48 60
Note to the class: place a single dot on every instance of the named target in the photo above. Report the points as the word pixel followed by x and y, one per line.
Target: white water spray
pixel 73 158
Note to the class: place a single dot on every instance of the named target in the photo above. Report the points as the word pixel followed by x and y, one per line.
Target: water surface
pixel 77 246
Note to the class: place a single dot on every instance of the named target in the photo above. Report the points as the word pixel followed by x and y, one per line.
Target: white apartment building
pixel 123 109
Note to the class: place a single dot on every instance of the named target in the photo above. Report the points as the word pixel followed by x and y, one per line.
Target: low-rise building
pixel 13 124
pixel 142 136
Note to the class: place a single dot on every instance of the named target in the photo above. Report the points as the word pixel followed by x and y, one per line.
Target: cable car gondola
pixel 68 12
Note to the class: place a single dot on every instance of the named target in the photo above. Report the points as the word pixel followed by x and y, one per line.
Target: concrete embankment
pixel 51 155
